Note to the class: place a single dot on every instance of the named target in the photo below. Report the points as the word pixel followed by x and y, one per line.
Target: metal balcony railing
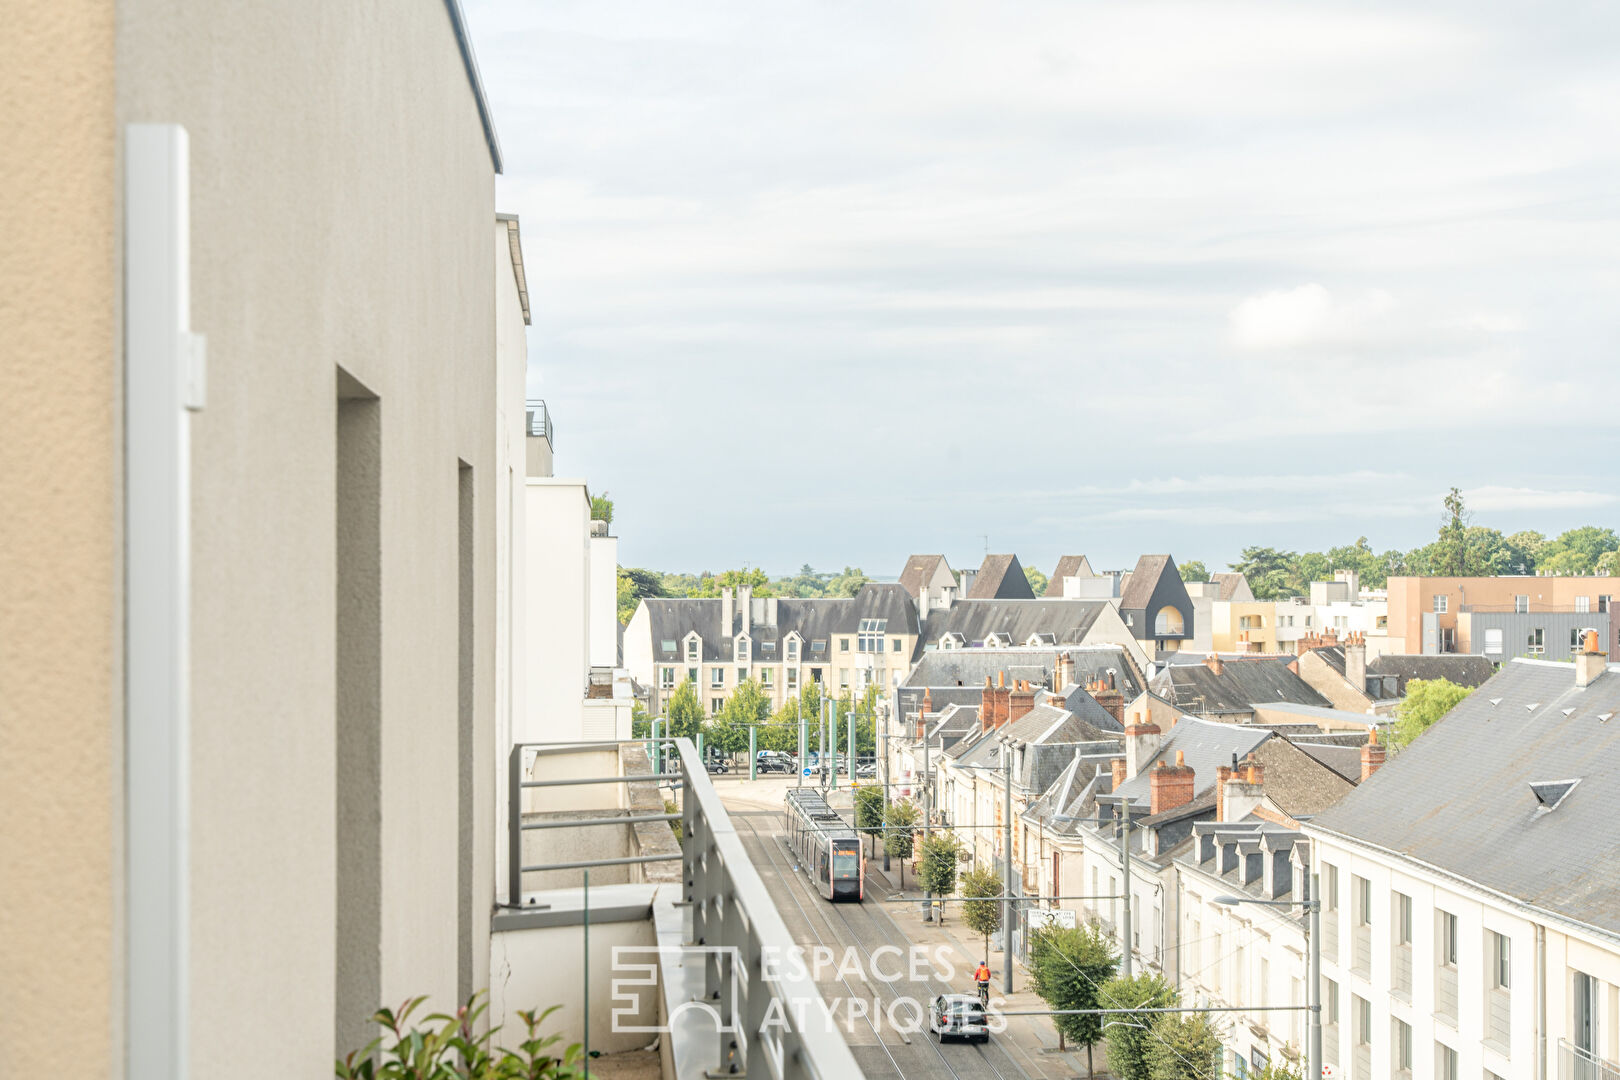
pixel 1577 1064
pixel 539 421
pixel 771 1022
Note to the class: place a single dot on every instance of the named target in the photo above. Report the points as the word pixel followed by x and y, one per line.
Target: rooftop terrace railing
pixel 538 418
pixel 771 1021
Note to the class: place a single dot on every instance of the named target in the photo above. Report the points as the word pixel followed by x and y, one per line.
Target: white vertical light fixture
pixel 163 383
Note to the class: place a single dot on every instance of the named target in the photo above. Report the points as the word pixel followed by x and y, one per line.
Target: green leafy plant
pixel 1129 1034
pixel 869 807
pixel 444 1047
pixel 899 836
pixel 982 916
pixel 937 868
pixel 1185 1046
pixel 1067 969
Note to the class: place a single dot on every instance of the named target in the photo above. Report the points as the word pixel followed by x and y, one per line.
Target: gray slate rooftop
pixel 1459 798
pixel 1068 620
pixel 1236 689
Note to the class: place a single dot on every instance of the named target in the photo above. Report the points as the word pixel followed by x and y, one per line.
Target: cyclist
pixel 982 976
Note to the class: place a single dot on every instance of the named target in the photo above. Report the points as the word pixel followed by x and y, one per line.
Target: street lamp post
pixel 1313 911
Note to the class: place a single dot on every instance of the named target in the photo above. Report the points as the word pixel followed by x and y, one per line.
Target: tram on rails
pixel 827 848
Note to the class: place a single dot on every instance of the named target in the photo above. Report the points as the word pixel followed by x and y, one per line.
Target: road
pixel 882 1052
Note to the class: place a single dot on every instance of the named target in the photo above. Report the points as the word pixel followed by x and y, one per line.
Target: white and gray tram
pixel 828 849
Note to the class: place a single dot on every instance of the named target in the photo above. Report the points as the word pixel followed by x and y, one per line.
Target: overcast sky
pixel 834 282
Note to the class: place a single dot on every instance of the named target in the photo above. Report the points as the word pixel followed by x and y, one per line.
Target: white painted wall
pixel 556 609
pixel 604 601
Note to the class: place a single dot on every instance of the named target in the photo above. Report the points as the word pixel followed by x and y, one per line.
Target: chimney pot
pixel 1213 662
pixel 1372 755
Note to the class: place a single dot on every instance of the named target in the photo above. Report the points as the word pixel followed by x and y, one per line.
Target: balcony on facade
pixel 541 440
pixel 646 938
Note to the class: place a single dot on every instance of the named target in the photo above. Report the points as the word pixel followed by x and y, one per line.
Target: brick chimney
pixel 1118 767
pixel 995 704
pixel 1141 743
pixel 1170 787
pixel 1589 662
pixel 1372 755
pixel 1063 673
pixel 1020 700
pixel 1108 696
pixel 1355 661
pixel 1240 790
pixel 1214 664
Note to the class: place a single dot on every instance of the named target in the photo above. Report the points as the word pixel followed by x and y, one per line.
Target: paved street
pixel 1025 1052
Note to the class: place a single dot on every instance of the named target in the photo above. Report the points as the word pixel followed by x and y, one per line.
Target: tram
pixel 828 849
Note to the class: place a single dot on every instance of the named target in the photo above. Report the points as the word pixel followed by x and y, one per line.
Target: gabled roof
pixel 1459 797
pixel 1205 745
pixel 1297 782
pixel 1067 566
pixel 1344 760
pixel 1232 587
pixel 1239 686
pixel 1137 591
pixel 1461 668
pixel 1069 620
pixel 1001 577
pixel 970 667
pixel 919 571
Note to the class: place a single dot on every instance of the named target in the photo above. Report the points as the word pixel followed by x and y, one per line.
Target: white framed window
pixel 1536 641
pixel 767 677
pixel 1583 603
pixel 869 635
pixel 792 678
pixel 742 650
pixel 843 677
pixel 894 644
pixel 691 674
pixel 793 650
pixel 1441 604
pixel 843 644
pixel 1403 1046
pixel 1521 604
pixel 667 644
pixel 692 645
pixel 1362 888
pixel 1361 1013
pixel 1493 641
pixel 1501 961
pixel 717 676
pixel 715 705
pixel 1445 1062
pixel 666 678
pixel 1448 939
pixel 1403 919
pixel 742 675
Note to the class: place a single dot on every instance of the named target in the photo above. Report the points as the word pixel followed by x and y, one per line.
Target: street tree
pixel 899 837
pixel 941 853
pixel 982 916
pixel 1068 967
pixel 1184 1046
pixel 1037 580
pixel 684 712
pixel 1426 701
pixel 869 807
pixel 1129 1033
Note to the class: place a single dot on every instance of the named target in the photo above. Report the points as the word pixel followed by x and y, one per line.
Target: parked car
pixel 717 765
pixel 958 1016
pixel 773 761
pixel 867 771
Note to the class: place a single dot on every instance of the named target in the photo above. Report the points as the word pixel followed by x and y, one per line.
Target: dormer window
pixel 793 650
pixel 998 640
pixel 1549 793
pixel 693 646
pixel 869 635
pixel 952 640
pixel 742 649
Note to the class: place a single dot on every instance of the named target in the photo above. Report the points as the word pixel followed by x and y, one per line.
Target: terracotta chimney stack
pixel 1118 767
pixel 1372 755
pixel 1589 662
pixel 1214 664
pixel 1020 701
pixel 1170 787
pixel 1141 743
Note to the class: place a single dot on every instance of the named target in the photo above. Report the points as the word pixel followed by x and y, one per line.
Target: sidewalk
pixel 1030 1040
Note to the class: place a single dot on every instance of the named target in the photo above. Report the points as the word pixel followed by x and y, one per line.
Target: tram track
pixel 871 937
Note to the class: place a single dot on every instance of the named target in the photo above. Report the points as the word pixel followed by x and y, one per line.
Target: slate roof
pixel 1001 577
pixel 1137 590
pixel 1049 735
pixel 975 620
pixel 1461 668
pixel 970 667
pixel 1231 585
pixel 1067 566
pixel 814 619
pixel 1299 783
pixel 1205 744
pixel 919 572
pixel 1241 683
pixel 1344 760
pixel 1459 798
pixel 1318 712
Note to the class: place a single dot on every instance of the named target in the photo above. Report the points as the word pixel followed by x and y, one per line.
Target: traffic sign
pixel 807 772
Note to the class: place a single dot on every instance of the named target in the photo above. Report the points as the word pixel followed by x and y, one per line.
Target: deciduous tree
pixel 1129 1033
pixel 1426 701
pixel 899 836
pixel 1068 969
pixel 983 917
pixel 937 868
pixel 1184 1046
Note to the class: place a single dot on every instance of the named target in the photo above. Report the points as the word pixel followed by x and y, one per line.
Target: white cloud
pixel 1309 316
pixel 1520 498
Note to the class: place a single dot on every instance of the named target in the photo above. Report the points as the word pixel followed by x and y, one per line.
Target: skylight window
pixel 668 644
pixel 1549 793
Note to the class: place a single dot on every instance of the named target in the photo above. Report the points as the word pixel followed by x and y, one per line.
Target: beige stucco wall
pixel 60 753
pixel 342 201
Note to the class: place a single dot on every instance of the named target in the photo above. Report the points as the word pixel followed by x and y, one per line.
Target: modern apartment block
pixel 259 572
pixel 1428 614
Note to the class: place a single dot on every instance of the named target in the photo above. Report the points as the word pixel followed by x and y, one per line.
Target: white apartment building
pixel 1472 902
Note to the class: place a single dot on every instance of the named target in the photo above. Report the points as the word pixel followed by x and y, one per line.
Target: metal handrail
pixel 538 419
pixel 773 1023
